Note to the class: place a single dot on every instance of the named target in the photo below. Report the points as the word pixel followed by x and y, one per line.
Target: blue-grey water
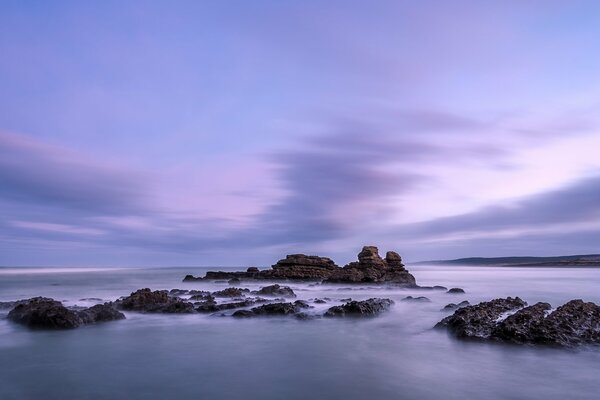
pixel 393 356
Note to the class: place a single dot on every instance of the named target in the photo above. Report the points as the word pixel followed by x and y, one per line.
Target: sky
pixel 158 133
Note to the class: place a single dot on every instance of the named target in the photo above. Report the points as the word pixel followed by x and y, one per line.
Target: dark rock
pixel 319 301
pixel 522 326
pixel 202 297
pixel 371 268
pixel 44 313
pixel 275 290
pixel 145 300
pixel 270 309
pixel 301 267
pixel 479 321
pixel 453 306
pixel 363 308
pixel 572 324
pixel 231 292
pixel 100 313
pixel 91 299
pixel 191 278
pixel 420 299
pixel 234 281
pixel 252 270
pixel 455 290
pixel 346 299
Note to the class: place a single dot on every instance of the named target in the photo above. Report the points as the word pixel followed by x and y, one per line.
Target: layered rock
pixel 273 309
pixel 363 308
pixel 508 320
pixel 275 290
pixel 371 268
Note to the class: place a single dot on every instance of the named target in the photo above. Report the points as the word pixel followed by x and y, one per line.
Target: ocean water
pixel 394 356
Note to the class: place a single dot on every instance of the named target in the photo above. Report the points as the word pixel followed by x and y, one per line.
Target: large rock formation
pixel 45 313
pixel 508 320
pixel 370 268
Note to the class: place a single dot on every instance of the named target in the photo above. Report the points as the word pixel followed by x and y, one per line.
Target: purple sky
pixel 235 132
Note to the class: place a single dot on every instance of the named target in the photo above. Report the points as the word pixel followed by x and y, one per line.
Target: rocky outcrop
pixel 273 309
pixel 363 308
pixel 455 290
pixel 509 320
pixel 371 268
pixel 420 299
pixel 45 313
pixel 453 306
pixel 275 290
pixel 158 301
pixel 479 321
pixel 100 313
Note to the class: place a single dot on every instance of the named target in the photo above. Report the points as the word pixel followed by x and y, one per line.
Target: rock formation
pixel 370 268
pixel 363 308
pixel 158 301
pixel 509 320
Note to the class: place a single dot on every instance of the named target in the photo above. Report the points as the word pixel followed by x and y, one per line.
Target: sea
pixel 396 355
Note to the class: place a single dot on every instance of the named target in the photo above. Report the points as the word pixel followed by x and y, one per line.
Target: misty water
pixel 393 356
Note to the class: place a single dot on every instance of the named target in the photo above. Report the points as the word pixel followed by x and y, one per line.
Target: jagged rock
pixel 572 324
pixel 145 300
pixel 455 290
pixel 44 313
pixel 202 296
pixel 275 290
pixel 420 299
pixel 453 306
pixel 178 292
pixel 371 268
pixel 479 320
pixel 363 308
pixel 231 292
pixel 212 306
pixel 301 267
pixel 272 309
pixel 100 313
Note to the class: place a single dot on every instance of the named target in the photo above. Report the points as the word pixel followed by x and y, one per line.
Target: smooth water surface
pixel 394 356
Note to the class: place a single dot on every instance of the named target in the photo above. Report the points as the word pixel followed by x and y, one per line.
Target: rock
pixel 191 278
pixel 212 306
pixel 572 324
pixel 479 321
pixel 275 290
pixel 234 281
pixel 421 299
pixel 231 292
pixel 145 300
pixel 202 296
pixel 453 306
pixel 371 268
pixel 100 313
pixel 363 308
pixel 91 299
pixel 319 301
pixel 44 313
pixel 522 326
pixel 271 309
pixel 455 290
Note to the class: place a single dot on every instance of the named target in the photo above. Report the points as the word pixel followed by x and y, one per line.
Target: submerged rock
pixel 420 299
pixel 273 309
pixel 363 308
pixel 231 292
pixel 574 323
pixel 158 301
pixel 453 306
pixel 191 278
pixel 276 290
pixel 100 313
pixel 455 290
pixel 234 281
